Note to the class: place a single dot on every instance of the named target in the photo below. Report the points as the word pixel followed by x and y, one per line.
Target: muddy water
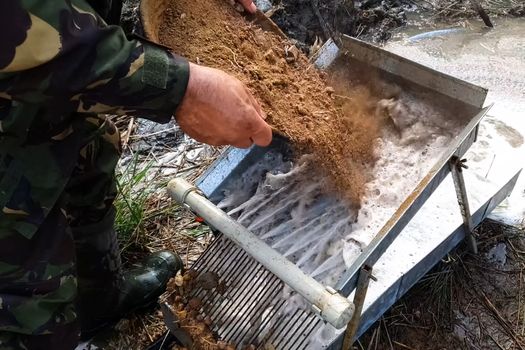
pixel 494 59
pixel 491 58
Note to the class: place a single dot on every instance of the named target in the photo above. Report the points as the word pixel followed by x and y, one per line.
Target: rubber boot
pixel 105 292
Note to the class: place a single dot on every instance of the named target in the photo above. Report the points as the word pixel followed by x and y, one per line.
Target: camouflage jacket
pixel 58 57
pixel 59 64
pixel 109 10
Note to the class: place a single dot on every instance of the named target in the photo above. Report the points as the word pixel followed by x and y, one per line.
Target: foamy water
pixel 291 211
pixel 495 59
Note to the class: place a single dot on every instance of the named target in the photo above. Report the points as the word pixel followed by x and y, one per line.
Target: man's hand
pixel 218 109
pixel 248 5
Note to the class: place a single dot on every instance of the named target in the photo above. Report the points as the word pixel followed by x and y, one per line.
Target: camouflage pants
pixel 56 193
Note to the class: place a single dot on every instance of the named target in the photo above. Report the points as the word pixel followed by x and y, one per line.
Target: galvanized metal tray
pixel 234 161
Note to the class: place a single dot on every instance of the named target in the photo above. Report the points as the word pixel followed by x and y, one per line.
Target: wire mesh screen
pixel 251 306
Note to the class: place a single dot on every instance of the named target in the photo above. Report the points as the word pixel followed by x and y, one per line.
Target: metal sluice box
pixel 257 311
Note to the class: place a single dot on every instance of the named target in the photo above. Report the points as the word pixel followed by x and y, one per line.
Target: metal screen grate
pixel 252 309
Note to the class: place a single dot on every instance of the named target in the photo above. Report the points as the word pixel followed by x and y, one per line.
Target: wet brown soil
pixel 299 102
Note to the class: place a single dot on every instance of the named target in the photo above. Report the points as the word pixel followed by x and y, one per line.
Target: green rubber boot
pixel 106 293
pixel 141 286
pixel 135 289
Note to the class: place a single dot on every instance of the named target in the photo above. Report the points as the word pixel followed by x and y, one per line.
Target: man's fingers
pixel 263 134
pixel 257 106
pixel 248 5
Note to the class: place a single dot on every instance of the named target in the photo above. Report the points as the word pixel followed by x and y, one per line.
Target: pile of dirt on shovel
pixel 339 130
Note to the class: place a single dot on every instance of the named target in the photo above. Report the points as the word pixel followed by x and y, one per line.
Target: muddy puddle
pixel 491 58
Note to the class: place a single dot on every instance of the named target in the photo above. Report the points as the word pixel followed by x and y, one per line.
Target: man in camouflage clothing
pixel 61 67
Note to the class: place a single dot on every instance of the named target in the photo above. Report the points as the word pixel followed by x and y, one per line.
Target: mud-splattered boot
pixel 106 293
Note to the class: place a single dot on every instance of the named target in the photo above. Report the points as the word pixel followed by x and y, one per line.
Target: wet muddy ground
pixel 314 21
pixel 311 22
pixel 465 302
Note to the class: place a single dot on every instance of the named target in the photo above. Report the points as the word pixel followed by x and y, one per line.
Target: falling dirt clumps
pixel 299 103
pixel 187 311
pixel 193 328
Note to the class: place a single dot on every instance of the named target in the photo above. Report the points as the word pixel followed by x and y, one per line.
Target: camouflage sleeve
pixel 60 54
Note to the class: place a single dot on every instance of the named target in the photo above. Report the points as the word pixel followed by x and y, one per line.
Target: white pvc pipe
pixel 332 306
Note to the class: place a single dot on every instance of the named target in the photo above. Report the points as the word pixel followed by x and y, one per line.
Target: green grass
pixel 131 203
pixel 199 231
